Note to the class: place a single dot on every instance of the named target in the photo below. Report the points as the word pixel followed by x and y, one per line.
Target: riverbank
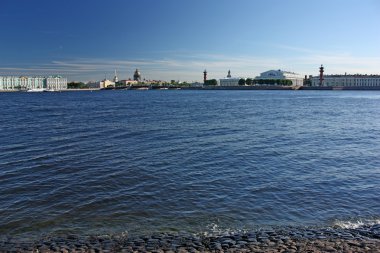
pixel 364 239
pixel 270 87
pixel 24 91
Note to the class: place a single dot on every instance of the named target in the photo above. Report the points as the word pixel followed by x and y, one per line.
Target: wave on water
pixel 214 229
pixel 196 161
pixel 355 223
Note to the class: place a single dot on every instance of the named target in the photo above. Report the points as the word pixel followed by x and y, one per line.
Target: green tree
pixel 249 81
pixel 119 84
pixel 241 81
pixel 185 84
pixel 211 82
pixel 76 85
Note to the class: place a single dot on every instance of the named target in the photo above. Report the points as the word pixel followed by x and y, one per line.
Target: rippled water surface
pixel 150 161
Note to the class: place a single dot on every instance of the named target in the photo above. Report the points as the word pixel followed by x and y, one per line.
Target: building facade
pixel 28 83
pixel 106 83
pixel 56 83
pixel 128 82
pixel 281 75
pixel 229 80
pixel 346 80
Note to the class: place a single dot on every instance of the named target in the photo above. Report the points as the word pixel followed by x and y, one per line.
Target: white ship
pixel 37 90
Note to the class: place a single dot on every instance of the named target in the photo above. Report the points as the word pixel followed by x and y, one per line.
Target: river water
pixel 196 161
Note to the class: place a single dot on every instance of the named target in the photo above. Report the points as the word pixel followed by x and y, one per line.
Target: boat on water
pixel 42 90
pixel 37 90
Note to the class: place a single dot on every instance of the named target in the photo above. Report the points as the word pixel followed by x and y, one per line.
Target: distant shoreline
pixel 272 87
pixel 292 88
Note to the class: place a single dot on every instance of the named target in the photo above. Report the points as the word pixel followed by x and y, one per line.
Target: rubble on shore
pixel 364 239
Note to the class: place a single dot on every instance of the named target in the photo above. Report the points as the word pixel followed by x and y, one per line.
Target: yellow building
pixel 106 83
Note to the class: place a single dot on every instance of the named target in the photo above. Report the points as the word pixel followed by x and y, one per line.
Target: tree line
pixel 250 81
pixel 77 85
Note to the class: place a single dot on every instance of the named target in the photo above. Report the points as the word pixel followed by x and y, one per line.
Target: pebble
pixel 284 240
pixel 330 249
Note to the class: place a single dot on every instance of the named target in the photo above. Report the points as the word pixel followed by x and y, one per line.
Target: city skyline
pixel 177 40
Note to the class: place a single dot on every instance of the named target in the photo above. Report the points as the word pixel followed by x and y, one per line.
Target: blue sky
pixel 177 39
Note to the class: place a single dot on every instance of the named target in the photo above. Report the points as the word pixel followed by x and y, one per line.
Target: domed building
pixel 137 75
pixel 295 78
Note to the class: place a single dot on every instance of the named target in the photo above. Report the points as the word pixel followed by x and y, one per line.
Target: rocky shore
pixel 364 239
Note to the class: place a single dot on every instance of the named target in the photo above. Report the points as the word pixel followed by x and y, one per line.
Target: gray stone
pixel 264 240
pixel 150 248
pixel 225 245
pixel 229 242
pixel 252 239
pixel 354 243
pixel 174 246
pixel 329 249
pixel 72 237
pixel 216 246
pixel 153 241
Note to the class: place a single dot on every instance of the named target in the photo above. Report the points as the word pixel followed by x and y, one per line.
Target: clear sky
pixel 177 39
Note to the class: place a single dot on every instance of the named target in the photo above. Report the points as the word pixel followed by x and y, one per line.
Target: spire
pixel 115 78
pixel 229 74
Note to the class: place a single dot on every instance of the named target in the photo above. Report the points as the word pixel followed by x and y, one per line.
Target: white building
pixel 28 82
pixel 229 80
pixel 106 83
pixel 281 75
pixel 347 80
pixel 56 83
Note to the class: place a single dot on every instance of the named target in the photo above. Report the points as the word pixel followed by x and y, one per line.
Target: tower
pixel 204 76
pixel 115 78
pixel 321 70
pixel 229 74
pixel 137 75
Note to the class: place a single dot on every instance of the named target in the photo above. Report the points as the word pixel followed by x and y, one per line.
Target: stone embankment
pixel 365 239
